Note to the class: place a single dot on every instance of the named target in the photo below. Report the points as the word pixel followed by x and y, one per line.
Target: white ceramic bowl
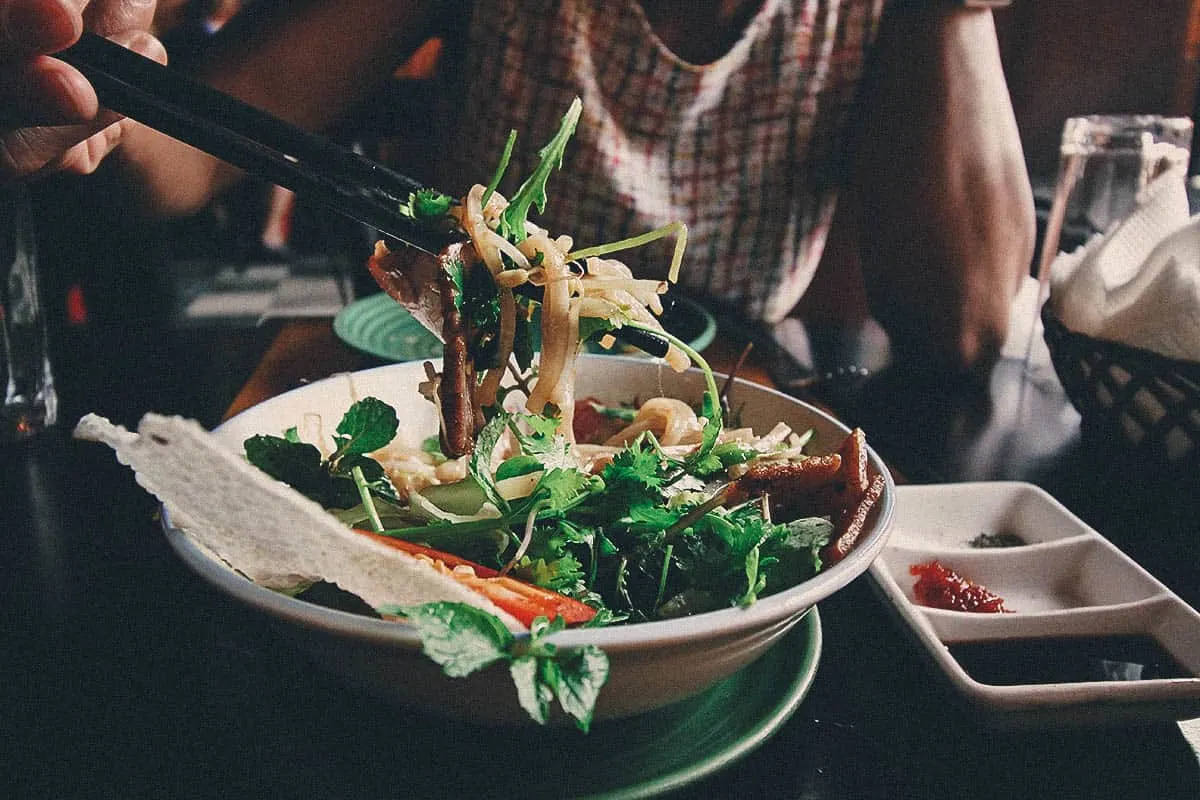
pixel 651 664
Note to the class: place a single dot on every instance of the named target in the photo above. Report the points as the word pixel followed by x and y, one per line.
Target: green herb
pixel 517 466
pixel 427 204
pixel 796 550
pixel 678 229
pixel 998 539
pixel 481 303
pixel 615 412
pixel 456 271
pixel 367 426
pixel 480 463
pixel 533 191
pixel 722 457
pixel 755 581
pixel 501 168
pixel 464 639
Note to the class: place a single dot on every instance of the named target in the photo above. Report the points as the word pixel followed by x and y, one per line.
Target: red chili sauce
pixel 940 587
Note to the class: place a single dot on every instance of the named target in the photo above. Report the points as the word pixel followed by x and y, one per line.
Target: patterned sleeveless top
pixel 745 150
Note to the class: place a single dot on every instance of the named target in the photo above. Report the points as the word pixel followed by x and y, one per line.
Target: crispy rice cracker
pixel 263 528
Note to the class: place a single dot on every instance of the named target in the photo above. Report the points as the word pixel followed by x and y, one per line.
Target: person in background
pixel 747 119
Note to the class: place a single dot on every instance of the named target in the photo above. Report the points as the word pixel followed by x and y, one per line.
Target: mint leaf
pixel 582 673
pixel 797 548
pixel 463 639
pixel 300 466
pixel 534 694
pixel 367 425
pixel 295 463
pixel 480 463
pixel 460 638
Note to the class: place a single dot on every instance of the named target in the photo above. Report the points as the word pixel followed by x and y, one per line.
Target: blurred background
pixel 256 255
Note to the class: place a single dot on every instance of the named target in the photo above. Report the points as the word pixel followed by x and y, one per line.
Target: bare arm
pixel 943 197
pixel 307 62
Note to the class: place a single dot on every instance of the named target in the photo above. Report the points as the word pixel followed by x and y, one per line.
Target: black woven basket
pixel 1148 401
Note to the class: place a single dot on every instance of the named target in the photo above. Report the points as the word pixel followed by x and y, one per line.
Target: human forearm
pixel 946 205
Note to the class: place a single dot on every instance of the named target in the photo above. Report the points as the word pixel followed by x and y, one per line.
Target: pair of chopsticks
pixel 262 144
pixel 266 146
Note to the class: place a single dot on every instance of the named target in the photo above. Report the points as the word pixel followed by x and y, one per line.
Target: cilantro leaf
pixel 542 437
pixel 637 470
pixel 427 204
pixel 561 488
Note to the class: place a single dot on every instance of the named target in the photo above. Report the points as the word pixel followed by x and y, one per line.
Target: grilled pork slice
pixel 422 284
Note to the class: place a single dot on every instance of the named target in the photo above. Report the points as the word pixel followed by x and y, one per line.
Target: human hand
pixel 50 117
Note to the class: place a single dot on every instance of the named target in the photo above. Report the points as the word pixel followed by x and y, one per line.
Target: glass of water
pixel 29 401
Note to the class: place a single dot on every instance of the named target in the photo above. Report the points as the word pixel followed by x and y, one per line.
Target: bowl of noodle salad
pixel 503 535
pixel 664 637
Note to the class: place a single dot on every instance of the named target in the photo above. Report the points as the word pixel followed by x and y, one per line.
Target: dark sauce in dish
pixel 1068 659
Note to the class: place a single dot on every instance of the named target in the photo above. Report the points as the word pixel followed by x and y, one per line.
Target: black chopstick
pixel 251 139
pixel 645 341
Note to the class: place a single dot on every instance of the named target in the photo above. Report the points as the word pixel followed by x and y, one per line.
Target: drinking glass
pixel 30 403
pixel 1105 162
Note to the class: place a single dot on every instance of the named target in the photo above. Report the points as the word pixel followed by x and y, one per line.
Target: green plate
pixel 643 756
pixel 379 326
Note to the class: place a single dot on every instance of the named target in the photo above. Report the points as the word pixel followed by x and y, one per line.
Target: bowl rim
pixel 635 636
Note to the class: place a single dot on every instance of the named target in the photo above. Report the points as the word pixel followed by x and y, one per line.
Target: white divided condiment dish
pixel 1091 638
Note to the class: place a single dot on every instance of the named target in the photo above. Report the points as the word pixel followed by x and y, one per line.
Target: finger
pixel 51 92
pixel 107 17
pixel 84 157
pixel 30 27
pixel 143 43
pixel 45 92
pixel 30 150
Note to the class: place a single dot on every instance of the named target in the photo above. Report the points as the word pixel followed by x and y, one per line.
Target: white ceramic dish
pixel 651 664
pixel 1065 583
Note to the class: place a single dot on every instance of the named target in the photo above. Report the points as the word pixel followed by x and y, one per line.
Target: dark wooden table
pixel 125 676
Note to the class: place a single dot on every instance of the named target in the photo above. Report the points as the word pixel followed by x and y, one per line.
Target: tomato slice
pixel 527 602
pixel 587 421
pixel 522 600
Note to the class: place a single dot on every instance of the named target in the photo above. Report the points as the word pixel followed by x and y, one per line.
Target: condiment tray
pixel 1088 636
